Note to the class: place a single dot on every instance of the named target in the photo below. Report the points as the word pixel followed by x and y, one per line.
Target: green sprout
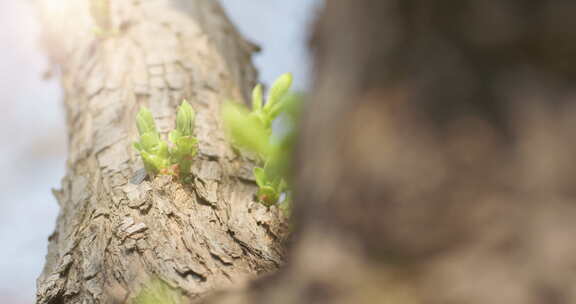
pixel 153 150
pixel 156 154
pixel 252 131
pixel 185 144
pixel 158 292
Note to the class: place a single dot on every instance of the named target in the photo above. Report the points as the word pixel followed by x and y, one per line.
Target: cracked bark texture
pixel 112 236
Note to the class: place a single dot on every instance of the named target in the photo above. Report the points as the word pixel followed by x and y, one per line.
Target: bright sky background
pixel 33 144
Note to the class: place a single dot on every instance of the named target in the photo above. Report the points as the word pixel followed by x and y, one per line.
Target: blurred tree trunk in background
pixel 436 160
pixel 112 236
pixel 434 163
pixel 437 156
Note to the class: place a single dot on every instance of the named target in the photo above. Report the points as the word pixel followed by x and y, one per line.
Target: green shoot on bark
pixel 159 292
pixel 158 156
pixel 252 131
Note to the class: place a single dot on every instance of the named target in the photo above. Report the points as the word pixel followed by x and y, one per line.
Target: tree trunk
pixel 433 165
pixel 113 236
pixel 449 177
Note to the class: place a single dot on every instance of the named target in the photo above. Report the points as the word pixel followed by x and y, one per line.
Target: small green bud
pixel 145 121
pixel 158 292
pixel 183 151
pixel 260 176
pixel 268 195
pixel 279 88
pixel 184 146
pixel 185 119
pixel 154 163
pixel 246 130
pixel 276 109
pixel 162 150
pixel 252 130
pixel 257 98
pixel 149 141
pixel 148 164
pixel 174 135
pixel 157 156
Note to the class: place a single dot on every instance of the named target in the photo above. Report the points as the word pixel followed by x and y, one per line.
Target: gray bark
pixel 434 165
pixel 113 237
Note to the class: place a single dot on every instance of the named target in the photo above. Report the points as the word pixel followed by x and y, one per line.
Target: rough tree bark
pixel 113 236
pixel 434 165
